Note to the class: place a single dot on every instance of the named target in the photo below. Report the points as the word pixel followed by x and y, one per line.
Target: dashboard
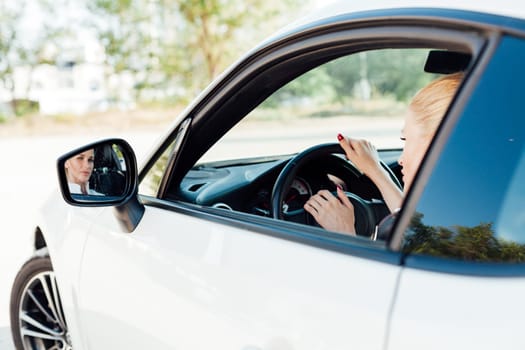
pixel 246 185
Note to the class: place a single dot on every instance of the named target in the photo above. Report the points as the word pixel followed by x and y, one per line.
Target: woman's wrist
pixel 377 174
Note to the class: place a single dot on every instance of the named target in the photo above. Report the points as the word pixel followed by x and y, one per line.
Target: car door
pixel 192 276
pixel 184 280
pixel 463 283
pixel 200 277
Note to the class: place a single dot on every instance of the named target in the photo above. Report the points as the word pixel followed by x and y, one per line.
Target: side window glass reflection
pixel 500 238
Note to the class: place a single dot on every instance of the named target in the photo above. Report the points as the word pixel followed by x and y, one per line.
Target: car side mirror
pixel 99 174
pixel 102 174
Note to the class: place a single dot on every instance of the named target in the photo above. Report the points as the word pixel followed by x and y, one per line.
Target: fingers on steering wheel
pixel 326 195
pixel 312 208
pixel 343 198
pixel 318 201
pixel 344 142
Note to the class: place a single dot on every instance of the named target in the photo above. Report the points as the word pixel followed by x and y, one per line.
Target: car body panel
pixel 436 310
pixel 65 229
pixel 245 290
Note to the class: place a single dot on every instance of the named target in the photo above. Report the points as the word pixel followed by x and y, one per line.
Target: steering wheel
pixel 367 213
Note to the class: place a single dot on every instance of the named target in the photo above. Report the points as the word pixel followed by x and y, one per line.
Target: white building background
pixel 70 87
pixel 78 84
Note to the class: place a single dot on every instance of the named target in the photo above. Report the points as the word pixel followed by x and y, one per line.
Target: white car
pixel 206 245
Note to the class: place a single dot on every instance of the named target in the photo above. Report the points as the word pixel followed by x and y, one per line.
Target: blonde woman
pixel 78 172
pixel 425 112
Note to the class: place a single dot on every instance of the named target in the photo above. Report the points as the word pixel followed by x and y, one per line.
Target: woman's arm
pixel 365 157
pixel 391 193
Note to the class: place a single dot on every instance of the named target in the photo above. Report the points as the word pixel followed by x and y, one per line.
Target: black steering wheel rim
pixel 289 172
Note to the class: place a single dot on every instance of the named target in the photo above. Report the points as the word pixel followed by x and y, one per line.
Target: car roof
pixel 493 12
pixel 509 8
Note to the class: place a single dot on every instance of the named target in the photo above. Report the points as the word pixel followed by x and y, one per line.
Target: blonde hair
pixel 431 102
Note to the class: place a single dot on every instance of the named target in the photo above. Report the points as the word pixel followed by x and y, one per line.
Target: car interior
pixel 107 177
pixel 253 182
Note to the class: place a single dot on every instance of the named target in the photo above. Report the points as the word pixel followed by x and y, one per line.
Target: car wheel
pixel 37 318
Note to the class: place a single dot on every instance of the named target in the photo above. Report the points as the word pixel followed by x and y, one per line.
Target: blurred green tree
pixel 218 30
pixel 401 73
pixel 176 47
pixel 396 74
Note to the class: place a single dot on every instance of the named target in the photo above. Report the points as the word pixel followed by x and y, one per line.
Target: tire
pixel 37 318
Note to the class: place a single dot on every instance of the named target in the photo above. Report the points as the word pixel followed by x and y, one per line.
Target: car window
pixel 473 206
pixel 156 172
pixel 364 95
pixel 150 184
pixel 496 229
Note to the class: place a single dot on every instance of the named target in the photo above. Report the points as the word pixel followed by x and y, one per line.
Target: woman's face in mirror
pixel 80 167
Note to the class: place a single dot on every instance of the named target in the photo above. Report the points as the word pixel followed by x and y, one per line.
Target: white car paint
pixel 436 310
pixel 184 283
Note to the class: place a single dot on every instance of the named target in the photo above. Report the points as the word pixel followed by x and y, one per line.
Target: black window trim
pixel 447 37
pixel 314 48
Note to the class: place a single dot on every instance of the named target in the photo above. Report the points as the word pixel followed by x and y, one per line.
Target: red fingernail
pixel 340 137
pixel 339 187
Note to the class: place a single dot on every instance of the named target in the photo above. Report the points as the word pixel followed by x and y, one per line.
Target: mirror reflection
pixel 98 171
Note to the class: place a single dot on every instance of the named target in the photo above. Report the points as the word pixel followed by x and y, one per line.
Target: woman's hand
pixel 332 213
pixel 365 157
pixel 362 154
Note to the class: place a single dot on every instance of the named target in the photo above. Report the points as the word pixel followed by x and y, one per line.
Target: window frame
pixel 224 110
pixel 331 42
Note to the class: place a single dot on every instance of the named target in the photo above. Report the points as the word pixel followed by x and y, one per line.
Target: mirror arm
pixel 130 213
